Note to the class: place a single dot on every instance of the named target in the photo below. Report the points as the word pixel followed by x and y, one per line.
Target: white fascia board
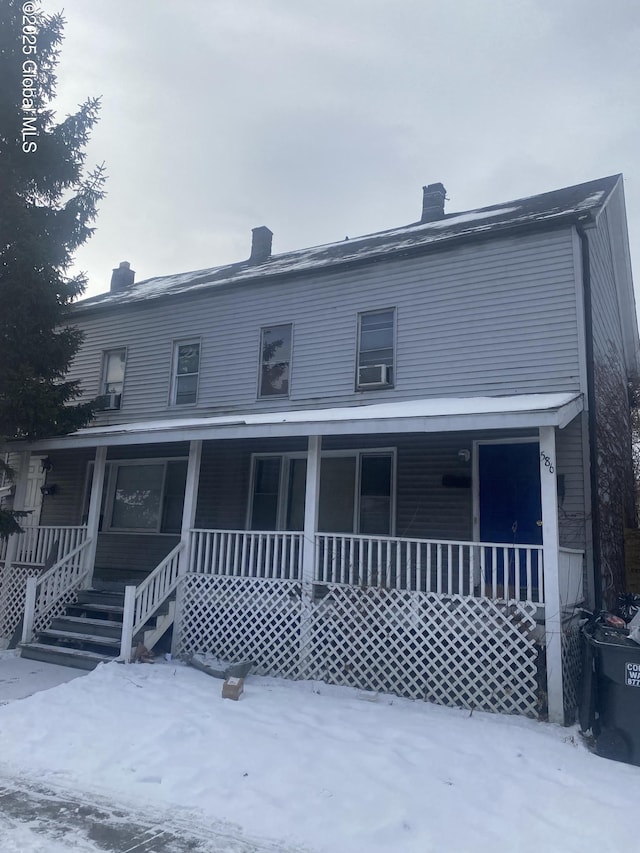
pixel 558 416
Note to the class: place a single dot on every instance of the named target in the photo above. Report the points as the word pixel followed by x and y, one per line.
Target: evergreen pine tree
pixel 47 205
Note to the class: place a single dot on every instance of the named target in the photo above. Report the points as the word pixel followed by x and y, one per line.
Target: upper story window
pixel 375 367
pixel 275 360
pixel 186 369
pixel 113 364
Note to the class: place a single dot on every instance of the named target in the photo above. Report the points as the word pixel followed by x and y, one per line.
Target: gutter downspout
pixel 591 420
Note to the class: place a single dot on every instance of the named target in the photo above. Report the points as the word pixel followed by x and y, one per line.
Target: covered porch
pixel 351 579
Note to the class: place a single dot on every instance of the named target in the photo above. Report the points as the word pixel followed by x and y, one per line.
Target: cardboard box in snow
pixel 232 687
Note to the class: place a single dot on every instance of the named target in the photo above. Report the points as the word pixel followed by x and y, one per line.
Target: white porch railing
pixel 47 595
pixel 481 569
pixel 571 577
pixel 143 602
pixel 246 553
pixel 490 570
pixel 35 543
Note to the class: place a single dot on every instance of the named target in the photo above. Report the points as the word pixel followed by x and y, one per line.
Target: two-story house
pixel 399 461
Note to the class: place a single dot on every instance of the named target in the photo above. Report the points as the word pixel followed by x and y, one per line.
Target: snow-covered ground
pixel 20 677
pixel 314 767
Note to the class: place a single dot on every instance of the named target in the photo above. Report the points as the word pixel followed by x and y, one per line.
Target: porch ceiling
pixel 436 414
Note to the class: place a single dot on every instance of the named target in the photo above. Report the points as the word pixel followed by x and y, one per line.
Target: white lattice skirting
pixel 449 649
pixel 13 583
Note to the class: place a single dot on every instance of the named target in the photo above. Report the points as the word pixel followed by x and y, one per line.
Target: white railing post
pixel 127 623
pixel 93 518
pixel 29 609
pixel 550 552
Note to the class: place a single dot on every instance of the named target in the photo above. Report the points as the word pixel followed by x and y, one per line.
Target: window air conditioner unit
pixel 374 376
pixel 110 402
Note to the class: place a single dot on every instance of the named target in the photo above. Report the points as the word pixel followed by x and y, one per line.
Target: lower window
pixel 356 493
pixel 143 497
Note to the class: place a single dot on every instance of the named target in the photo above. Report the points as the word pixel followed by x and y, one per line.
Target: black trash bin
pixel 612 688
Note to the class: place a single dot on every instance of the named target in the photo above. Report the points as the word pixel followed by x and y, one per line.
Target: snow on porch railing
pixel 35 543
pixel 246 553
pixel 47 595
pixel 489 570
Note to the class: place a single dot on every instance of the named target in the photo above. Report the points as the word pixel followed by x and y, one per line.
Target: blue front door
pixel 510 504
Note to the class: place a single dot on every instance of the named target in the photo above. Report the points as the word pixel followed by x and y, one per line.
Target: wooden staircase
pixel 90 631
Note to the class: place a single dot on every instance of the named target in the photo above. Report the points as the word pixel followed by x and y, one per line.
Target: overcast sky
pixel 324 119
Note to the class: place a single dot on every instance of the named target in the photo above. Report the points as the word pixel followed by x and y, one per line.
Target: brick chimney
pixel 433 197
pixel 260 244
pixel 122 277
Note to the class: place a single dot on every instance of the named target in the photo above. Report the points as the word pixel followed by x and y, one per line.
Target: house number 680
pixel 547 461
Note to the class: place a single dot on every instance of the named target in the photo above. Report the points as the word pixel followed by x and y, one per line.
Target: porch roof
pixel 435 414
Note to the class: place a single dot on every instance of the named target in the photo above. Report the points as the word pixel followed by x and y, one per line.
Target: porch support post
pixel 311 501
pixel 95 505
pixel 550 549
pixel 19 499
pixel 190 501
pixel 188 521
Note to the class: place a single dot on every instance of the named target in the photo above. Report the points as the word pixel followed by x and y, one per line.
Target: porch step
pixel 90 607
pixel 85 625
pixel 53 636
pixel 90 630
pixel 88 633
pixel 63 655
pixel 107 597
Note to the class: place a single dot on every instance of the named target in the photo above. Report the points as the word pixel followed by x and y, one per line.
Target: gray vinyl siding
pixel 130 553
pixel 494 317
pixel 69 473
pixel 572 518
pixel 115 551
pixel 607 333
pixel 425 507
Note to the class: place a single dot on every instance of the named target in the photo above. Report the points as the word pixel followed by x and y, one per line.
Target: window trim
pixel 260 396
pixel 358 453
pixel 394 329
pixel 103 372
pixel 179 342
pixel 111 468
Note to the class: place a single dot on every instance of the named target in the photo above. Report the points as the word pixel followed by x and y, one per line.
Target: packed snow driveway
pixel 34 819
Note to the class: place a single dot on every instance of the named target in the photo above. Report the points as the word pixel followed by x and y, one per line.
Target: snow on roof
pixel 424 415
pixel 545 208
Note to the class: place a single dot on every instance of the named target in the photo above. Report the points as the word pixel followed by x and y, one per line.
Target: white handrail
pixel 45 592
pixel 142 602
pixel 156 588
